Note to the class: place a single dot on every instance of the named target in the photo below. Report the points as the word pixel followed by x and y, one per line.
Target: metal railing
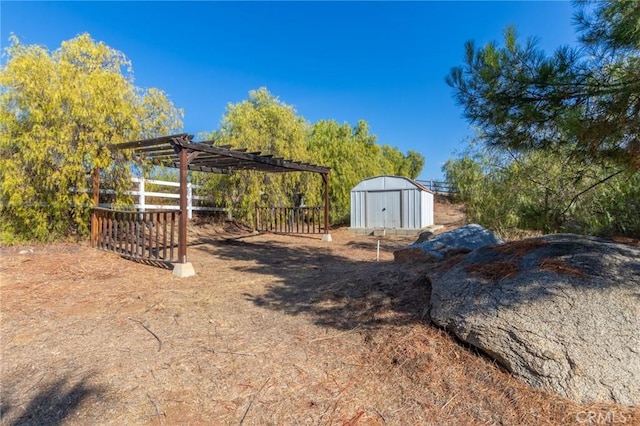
pixel 150 236
pixel 289 220
pixel 439 187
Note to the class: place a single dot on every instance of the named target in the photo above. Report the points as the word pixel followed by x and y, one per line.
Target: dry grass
pixel 559 266
pixel 450 262
pixel 272 330
pixel 519 248
pixel 493 271
pixel 635 242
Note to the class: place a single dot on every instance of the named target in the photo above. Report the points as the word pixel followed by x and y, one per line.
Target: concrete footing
pixel 381 232
pixel 327 237
pixel 183 270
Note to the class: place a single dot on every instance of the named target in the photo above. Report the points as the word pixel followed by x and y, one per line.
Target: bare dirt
pixel 273 329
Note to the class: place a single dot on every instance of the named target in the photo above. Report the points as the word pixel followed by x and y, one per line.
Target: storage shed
pixel 390 202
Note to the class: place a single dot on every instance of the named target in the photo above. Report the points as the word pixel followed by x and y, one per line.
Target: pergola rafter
pixel 181 152
pixel 165 151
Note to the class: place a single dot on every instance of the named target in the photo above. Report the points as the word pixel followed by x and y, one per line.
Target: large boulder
pixel 467 237
pixel 561 312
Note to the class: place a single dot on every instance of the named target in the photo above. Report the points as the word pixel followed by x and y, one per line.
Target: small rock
pixel 424 236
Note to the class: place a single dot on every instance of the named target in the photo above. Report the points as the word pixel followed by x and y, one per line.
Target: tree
pixel 59 111
pixel 565 128
pixel 263 123
pixel 335 145
pixel 585 99
pixel 266 124
pixel 409 165
pixel 353 155
pixel 544 191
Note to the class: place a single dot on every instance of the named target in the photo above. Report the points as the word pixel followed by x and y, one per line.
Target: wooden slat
pixel 164 236
pixel 294 220
pixel 149 142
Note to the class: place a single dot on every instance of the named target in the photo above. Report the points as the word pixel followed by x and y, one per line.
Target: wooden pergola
pixel 181 152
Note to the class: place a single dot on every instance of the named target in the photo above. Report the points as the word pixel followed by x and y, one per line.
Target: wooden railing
pixel 150 236
pixel 289 220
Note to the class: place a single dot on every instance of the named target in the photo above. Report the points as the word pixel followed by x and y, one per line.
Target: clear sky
pixel 384 62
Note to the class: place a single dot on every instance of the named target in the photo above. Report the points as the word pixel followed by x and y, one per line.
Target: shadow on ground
pixel 336 291
pixel 344 293
pixel 51 406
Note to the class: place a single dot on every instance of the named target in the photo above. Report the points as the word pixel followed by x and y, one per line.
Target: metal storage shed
pixel 390 202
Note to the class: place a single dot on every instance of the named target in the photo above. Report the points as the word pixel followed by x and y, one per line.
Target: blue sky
pixel 384 62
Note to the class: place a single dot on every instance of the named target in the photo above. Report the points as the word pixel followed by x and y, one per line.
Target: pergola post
pixel 183 268
pixel 96 203
pixel 326 236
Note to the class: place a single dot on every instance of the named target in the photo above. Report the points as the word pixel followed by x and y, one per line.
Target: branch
pixel 526 172
pixel 573 200
pixel 147 328
pixel 252 398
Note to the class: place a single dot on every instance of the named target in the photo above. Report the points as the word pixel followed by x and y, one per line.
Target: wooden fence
pixel 151 236
pixel 290 220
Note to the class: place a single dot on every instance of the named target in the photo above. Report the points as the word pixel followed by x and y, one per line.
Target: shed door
pixel 383 209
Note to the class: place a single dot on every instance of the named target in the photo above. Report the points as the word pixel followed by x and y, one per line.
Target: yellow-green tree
pixel 263 123
pixel 409 165
pixel 59 111
pixel 353 155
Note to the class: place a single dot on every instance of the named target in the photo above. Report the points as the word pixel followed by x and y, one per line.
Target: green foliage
pixel 617 206
pixel 409 165
pixel 585 98
pixel 58 112
pixel 264 123
pixel 482 188
pixel 561 133
pixel 353 155
pixel 545 191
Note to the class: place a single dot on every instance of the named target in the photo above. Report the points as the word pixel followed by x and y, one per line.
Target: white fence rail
pixel 142 195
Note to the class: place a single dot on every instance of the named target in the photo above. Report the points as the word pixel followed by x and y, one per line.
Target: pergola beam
pixel 163 140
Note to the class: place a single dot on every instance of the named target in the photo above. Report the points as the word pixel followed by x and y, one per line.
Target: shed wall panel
pixel 358 209
pixel 417 200
pixel 410 208
pixel 426 213
pixel 406 209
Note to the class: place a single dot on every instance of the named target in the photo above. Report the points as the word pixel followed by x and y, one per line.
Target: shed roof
pixel 205 156
pixel 382 183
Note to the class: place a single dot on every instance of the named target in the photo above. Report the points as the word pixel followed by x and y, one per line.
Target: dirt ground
pixel 273 329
